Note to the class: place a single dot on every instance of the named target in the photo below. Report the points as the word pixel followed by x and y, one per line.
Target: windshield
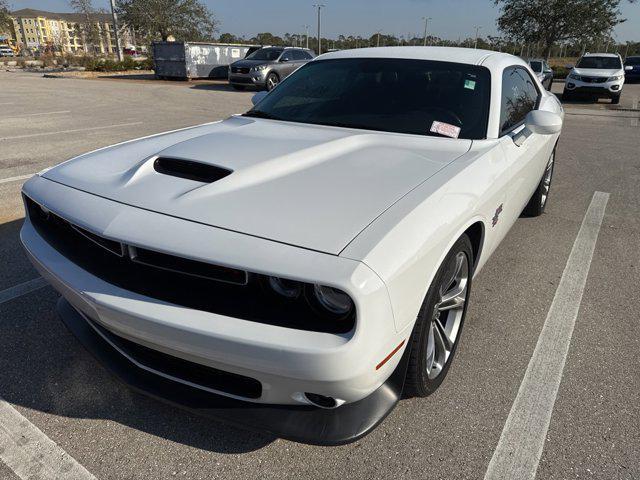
pixel 632 61
pixel 536 66
pixel 269 54
pixel 605 63
pixel 394 95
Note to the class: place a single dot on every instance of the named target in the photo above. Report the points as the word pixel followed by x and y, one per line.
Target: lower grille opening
pixel 179 368
pixel 246 301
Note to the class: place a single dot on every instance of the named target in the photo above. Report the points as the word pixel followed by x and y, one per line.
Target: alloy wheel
pixel 447 315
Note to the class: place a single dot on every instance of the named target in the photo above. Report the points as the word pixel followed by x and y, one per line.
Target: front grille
pixel 243 70
pixel 594 79
pixel 185 370
pixel 176 280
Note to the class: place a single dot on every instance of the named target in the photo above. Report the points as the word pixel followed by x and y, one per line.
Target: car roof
pixel 612 55
pixel 445 54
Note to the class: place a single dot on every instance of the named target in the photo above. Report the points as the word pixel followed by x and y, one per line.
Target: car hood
pixel 311 186
pixel 598 72
pixel 249 63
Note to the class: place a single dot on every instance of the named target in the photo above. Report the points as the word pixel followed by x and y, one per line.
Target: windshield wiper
pixel 261 114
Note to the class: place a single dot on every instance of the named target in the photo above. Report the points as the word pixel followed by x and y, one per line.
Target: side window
pixel 519 97
pixel 287 55
pixel 305 55
pixel 297 55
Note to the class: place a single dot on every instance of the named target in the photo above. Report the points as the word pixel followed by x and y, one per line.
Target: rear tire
pixel 538 201
pixel 437 331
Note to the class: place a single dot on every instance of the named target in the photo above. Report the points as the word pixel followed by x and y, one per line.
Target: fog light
pixel 615 87
pixel 571 85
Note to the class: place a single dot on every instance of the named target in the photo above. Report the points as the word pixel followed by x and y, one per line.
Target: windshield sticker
pixel 445 129
pixel 470 84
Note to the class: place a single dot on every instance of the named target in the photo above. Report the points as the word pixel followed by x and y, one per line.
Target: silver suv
pixel 267 67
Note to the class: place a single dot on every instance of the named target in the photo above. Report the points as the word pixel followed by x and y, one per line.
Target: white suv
pixel 598 75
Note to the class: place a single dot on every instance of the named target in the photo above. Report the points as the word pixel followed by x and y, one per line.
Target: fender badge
pixel 496 217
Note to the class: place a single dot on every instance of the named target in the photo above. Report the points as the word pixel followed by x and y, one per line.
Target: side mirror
pixel 569 66
pixel 540 122
pixel 258 97
pixel 284 60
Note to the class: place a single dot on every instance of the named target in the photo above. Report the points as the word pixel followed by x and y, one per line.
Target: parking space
pixel 114 433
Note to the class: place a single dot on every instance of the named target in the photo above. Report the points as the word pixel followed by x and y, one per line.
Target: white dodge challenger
pixel 299 268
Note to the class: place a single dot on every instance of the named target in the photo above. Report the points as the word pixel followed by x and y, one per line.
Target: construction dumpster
pixel 187 60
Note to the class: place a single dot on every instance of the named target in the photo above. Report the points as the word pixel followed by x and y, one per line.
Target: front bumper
pixel 286 361
pixel 303 424
pixel 605 89
pixel 256 79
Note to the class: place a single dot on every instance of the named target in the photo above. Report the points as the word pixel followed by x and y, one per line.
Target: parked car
pixel 267 67
pixel 632 69
pixel 597 75
pixel 298 268
pixel 6 51
pixel 543 71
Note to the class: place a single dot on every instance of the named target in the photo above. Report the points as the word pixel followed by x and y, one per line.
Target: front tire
pixel 538 200
pixel 615 100
pixel 439 324
pixel 272 81
pixel 240 88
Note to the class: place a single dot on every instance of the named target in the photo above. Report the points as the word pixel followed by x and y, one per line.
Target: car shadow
pixel 44 368
pixel 220 87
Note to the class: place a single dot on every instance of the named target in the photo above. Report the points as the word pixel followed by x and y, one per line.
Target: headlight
pixel 327 302
pixel 333 300
pixel 574 76
pixel 614 78
pixel 258 68
pixel 284 287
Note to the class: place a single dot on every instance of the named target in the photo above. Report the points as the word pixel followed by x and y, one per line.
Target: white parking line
pixel 520 446
pixel 60 132
pixel 22 289
pixel 7 103
pixel 30 453
pixel 36 114
pixel 15 179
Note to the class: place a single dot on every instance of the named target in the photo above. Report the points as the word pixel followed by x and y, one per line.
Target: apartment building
pixel 66 32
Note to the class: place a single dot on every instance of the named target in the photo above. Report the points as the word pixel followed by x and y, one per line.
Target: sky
pixel 450 18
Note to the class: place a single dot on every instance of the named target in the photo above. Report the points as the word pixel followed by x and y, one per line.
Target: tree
pixel 6 24
pixel 87 29
pixel 551 21
pixel 183 19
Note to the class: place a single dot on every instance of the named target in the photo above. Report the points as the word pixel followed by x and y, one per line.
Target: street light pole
pixel 306 27
pixel 426 22
pixel 378 42
pixel 475 45
pixel 115 29
pixel 319 6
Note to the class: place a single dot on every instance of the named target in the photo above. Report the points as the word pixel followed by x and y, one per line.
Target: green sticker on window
pixel 470 84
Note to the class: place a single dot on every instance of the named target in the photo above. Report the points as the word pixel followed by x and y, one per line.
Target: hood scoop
pixel 190 170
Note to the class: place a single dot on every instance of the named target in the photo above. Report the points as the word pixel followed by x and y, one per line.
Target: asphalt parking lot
pixel 594 432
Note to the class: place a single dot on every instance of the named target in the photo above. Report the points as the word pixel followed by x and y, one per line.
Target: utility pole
pixel 378 33
pixel 426 22
pixel 306 29
pixel 115 29
pixel 319 6
pixel 475 45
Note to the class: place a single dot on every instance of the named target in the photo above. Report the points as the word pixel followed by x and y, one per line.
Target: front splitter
pixel 304 424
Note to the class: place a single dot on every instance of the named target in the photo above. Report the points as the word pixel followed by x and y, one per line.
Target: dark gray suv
pixel 267 67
